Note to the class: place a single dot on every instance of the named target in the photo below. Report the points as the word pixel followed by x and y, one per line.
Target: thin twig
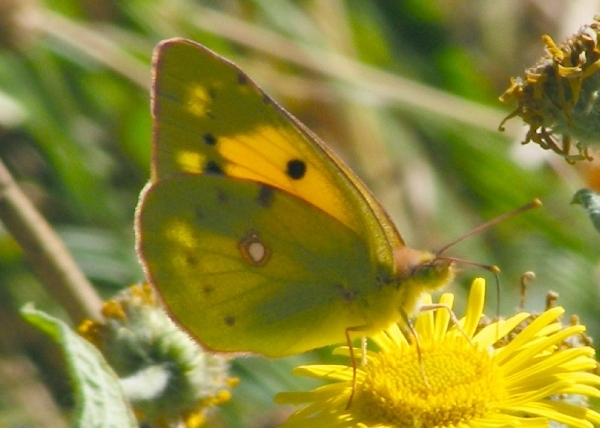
pixel 46 252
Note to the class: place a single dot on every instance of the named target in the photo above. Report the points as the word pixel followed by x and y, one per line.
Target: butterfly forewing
pixel 210 117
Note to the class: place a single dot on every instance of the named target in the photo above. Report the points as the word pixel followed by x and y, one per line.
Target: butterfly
pixel 257 237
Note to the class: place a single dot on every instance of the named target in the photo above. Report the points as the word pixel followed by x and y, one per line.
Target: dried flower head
pixel 558 97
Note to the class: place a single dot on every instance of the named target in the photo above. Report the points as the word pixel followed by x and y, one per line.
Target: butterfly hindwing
pixel 249 279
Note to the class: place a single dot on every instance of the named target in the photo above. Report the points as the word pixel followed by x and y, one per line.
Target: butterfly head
pixel 425 271
pixel 419 272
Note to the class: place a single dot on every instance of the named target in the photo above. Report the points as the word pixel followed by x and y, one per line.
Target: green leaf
pixel 590 201
pixel 99 397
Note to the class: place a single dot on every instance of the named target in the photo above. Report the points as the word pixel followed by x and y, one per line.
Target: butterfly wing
pixel 256 235
pixel 280 279
pixel 210 117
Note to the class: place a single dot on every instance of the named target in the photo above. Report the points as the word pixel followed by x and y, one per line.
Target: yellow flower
pixel 447 380
pixel 558 96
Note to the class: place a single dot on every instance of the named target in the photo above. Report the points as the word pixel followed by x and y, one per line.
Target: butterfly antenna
pixel 495 270
pixel 531 205
pixel 491 268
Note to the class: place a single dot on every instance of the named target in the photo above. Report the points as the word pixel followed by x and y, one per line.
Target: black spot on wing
pixel 191 259
pixel 229 321
pixel 242 79
pixel 296 169
pixel 213 168
pixel 209 111
pixel 265 196
pixel 209 139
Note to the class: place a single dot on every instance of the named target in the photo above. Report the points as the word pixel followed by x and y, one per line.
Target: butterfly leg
pixel 453 319
pixel 363 344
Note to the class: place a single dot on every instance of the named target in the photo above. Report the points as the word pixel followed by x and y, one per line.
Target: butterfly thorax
pixel 419 272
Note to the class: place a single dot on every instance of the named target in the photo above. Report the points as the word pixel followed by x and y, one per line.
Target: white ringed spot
pixel 254 250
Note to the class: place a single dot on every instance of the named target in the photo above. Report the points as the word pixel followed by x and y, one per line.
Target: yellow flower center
pixel 453 381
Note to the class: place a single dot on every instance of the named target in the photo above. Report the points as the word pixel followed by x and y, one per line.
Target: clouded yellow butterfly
pixel 257 237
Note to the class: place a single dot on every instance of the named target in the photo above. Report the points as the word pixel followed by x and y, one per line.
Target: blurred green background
pixel 404 91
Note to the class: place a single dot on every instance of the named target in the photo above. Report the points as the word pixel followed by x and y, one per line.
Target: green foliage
pixel 98 394
pixel 590 201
